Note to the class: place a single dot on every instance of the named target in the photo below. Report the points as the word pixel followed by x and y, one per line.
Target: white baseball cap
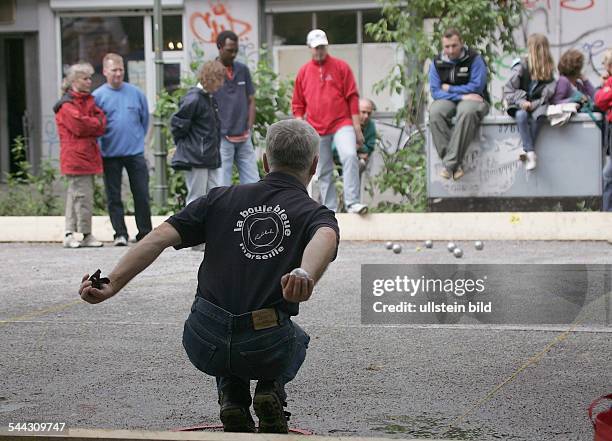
pixel 316 37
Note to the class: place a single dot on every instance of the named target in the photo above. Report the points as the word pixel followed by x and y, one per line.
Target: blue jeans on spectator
pixel 243 154
pixel 227 347
pixel 138 175
pixel 346 142
pixel 528 128
pixel 607 185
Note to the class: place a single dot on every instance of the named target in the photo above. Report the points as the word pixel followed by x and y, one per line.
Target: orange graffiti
pixel 577 5
pixel 573 5
pixel 208 25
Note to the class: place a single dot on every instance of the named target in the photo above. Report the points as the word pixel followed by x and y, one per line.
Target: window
pixel 370 61
pixel 291 28
pixel 340 26
pixel 370 16
pixel 172 76
pixel 90 38
pixel 172 33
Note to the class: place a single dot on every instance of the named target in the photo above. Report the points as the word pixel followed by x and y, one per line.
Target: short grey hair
pixel 79 69
pixel 291 144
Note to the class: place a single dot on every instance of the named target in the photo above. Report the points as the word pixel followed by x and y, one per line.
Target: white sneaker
pixel 71 242
pixel 357 208
pixel 120 241
pixel 91 242
pixel 531 161
pixel 523 155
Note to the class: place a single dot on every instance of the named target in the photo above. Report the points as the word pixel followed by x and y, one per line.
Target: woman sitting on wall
pixel 528 92
pixel 571 80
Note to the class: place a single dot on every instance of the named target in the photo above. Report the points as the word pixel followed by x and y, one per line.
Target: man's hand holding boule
pixel 297 286
pixel 95 295
pixel 97 289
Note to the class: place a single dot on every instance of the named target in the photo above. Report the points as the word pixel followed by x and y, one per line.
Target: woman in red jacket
pixel 603 100
pixel 79 123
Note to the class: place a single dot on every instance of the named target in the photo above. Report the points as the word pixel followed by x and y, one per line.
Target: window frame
pixel 318 8
pixel 169 57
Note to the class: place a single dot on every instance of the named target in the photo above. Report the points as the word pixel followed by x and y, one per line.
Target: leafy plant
pixel 29 194
pixel 405 173
pixel 272 97
pixel 486 25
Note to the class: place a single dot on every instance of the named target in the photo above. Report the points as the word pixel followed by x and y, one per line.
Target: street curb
pixel 376 227
pixel 133 435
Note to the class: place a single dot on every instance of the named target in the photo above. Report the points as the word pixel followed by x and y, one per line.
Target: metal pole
pixel 160 190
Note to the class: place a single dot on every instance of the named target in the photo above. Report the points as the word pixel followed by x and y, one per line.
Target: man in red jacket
pixel 325 94
pixel 79 122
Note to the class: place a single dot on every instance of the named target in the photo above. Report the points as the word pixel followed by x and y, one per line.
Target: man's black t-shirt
pixel 254 234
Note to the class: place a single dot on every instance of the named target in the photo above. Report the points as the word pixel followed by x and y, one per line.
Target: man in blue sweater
pixel 458 82
pixel 122 147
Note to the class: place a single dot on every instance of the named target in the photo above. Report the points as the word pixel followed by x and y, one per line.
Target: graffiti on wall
pixel 543 15
pixel 206 26
pixel 50 139
pixel 572 5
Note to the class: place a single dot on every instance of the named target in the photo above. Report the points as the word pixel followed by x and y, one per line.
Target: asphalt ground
pixel 121 364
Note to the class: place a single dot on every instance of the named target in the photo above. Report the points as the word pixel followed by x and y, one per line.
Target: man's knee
pixel 441 110
pixel 471 111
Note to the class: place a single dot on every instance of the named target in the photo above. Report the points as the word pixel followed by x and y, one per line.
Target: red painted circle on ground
pixel 219 428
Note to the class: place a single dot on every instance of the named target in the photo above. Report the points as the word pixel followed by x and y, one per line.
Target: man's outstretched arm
pixel 317 255
pixel 136 260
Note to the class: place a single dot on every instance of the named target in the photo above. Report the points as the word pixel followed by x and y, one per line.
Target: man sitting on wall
pixel 458 83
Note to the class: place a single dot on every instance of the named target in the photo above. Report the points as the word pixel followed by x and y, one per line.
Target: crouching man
pixel 267 245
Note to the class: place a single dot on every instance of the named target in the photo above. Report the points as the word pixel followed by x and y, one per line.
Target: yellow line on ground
pixel 39 313
pixel 533 360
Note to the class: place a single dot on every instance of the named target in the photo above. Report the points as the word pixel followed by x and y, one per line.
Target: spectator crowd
pixel 104 131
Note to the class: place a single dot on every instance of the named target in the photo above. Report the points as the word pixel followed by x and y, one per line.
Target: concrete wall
pixel 50 78
pixel 26 17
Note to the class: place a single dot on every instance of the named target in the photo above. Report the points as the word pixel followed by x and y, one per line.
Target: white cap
pixel 316 37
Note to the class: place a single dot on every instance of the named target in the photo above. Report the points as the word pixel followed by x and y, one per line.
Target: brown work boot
pixel 268 404
pixel 234 413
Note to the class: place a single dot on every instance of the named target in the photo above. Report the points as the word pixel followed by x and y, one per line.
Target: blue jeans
pixel 227 347
pixel 243 154
pixel 346 144
pixel 607 185
pixel 528 128
pixel 138 174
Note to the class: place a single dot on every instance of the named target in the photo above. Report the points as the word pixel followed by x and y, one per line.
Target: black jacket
pixel 196 131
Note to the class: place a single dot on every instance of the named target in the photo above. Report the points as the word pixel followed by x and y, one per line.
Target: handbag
pixel 586 106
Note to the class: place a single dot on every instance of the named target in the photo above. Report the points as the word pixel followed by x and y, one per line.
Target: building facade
pixel 40 38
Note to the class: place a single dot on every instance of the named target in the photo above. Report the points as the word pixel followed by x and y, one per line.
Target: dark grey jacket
pixel 516 91
pixel 196 133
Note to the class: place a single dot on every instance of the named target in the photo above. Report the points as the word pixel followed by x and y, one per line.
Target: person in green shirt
pixel 368 127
